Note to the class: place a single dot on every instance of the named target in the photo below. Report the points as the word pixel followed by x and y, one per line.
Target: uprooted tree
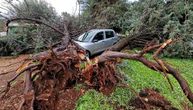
pixel 49 73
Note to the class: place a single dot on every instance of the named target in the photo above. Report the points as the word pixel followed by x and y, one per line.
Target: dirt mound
pixel 9 64
pixel 66 99
pixel 151 99
pixel 12 99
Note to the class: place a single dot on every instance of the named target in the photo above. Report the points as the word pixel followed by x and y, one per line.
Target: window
pixel 109 34
pixel 86 36
pixel 99 36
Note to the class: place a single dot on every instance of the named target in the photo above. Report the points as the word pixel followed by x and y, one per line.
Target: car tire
pixel 88 54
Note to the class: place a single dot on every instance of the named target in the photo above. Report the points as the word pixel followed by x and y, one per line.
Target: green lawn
pixel 139 77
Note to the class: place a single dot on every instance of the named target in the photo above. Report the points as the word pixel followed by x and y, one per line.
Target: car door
pixel 98 42
pixel 110 39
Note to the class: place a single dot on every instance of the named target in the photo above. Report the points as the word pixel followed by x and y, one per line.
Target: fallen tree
pixel 49 73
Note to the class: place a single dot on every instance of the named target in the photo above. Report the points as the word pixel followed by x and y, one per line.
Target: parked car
pixel 97 40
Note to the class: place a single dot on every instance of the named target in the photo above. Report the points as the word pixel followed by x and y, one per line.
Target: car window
pixel 81 37
pixel 109 34
pixel 86 36
pixel 99 36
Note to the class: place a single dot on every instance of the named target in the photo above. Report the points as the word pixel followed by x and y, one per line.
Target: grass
pixel 139 77
pixel 92 100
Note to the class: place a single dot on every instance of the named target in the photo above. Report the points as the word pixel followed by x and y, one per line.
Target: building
pixel 3 29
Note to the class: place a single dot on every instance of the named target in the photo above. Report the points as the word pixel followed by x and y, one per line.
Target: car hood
pixel 82 44
pixel 79 42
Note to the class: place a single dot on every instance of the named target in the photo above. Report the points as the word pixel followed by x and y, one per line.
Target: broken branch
pixel 109 55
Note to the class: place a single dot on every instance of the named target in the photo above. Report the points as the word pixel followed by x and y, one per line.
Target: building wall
pixel 3 28
pixel 1 25
pixel 3 34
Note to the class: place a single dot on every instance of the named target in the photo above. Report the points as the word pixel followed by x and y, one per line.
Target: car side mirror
pixel 95 40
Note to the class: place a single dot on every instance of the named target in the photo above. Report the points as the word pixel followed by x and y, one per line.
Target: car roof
pixel 97 30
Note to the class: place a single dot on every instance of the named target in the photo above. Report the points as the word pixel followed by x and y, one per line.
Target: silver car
pixel 97 40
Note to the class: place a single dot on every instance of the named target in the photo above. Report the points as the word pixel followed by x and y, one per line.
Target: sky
pixel 69 6
pixel 66 5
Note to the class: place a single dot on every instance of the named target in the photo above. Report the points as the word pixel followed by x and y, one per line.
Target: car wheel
pixel 87 54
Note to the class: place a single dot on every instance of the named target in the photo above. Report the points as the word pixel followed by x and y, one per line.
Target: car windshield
pixel 85 37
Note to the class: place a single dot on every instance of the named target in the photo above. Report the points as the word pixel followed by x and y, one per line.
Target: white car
pixel 97 40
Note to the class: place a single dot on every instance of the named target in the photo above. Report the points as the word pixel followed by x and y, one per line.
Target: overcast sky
pixel 69 6
pixel 66 5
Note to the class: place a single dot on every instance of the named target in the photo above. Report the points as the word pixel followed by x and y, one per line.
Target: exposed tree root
pixel 150 99
pixel 7 88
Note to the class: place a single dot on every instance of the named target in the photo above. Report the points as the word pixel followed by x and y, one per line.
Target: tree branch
pixel 109 55
pixel 37 21
pixel 163 67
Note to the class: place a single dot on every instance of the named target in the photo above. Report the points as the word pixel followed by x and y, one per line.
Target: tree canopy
pixel 158 18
